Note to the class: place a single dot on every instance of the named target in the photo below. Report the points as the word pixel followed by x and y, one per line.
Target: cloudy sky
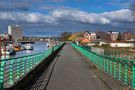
pixel 44 17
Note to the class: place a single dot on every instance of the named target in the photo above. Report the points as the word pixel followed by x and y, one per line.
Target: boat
pixel 17 47
pixel 48 45
pixel 28 47
pixel 8 51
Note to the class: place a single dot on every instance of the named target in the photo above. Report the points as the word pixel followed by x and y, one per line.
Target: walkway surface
pixel 72 72
pixel 68 72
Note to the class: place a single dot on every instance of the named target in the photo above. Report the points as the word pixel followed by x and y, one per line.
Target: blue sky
pixel 97 6
pixel 40 17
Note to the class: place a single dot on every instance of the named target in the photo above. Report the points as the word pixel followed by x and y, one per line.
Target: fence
pixel 121 69
pixel 12 70
pixel 114 52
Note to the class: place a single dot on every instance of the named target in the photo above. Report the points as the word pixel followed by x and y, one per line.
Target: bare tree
pixel 65 36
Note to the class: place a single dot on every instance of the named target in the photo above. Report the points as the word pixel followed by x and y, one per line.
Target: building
pixel 122 44
pixel 114 35
pixel 127 36
pixel 6 36
pixel 90 35
pixel 16 32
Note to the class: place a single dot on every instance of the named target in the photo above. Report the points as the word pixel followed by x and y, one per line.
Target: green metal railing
pixel 121 69
pixel 11 70
pixel 125 53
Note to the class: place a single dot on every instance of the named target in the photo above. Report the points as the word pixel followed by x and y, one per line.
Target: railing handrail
pixel 107 55
pixel 120 68
pixel 25 55
pixel 15 68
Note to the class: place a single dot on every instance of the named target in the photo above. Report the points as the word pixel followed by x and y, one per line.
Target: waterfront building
pixel 16 32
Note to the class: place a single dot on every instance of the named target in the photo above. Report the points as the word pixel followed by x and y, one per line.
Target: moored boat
pixel 17 47
pixel 8 51
pixel 28 47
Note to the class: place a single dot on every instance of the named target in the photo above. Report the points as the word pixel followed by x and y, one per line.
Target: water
pixel 39 47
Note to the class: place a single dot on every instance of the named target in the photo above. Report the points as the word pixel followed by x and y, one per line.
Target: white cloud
pixel 120 15
pixel 26 17
pixel 70 15
pixel 123 15
pixel 80 16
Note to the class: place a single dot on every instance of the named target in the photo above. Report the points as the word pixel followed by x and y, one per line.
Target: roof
pixel 85 41
pixel 80 39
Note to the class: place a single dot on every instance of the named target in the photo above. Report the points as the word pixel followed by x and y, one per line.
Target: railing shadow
pixel 41 80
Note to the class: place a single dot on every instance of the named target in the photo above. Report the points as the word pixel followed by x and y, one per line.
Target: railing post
pixel 133 74
pixel 107 66
pixel 28 63
pixel 34 61
pixel 11 72
pixel 2 64
pixel 115 68
pixel 18 68
pixel 110 66
pixel 100 62
pixel 23 65
pixel 103 64
pixel 125 72
pixel 52 49
pixel 120 70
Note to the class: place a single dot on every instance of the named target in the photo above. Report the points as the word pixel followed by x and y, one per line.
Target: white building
pixel 122 44
pixel 6 36
pixel 114 35
pixel 90 35
pixel 15 31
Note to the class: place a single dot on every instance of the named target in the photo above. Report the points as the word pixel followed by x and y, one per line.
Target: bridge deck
pixel 71 72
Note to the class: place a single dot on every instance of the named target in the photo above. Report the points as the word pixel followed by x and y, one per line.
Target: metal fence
pixel 11 70
pixel 113 52
pixel 121 69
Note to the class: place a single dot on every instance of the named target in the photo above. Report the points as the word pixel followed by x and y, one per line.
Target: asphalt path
pixel 72 72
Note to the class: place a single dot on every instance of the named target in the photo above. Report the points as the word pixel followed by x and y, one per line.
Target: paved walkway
pixel 72 72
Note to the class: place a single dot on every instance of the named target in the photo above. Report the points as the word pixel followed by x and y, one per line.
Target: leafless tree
pixel 65 36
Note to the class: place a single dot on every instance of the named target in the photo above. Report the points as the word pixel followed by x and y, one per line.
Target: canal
pixel 39 47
